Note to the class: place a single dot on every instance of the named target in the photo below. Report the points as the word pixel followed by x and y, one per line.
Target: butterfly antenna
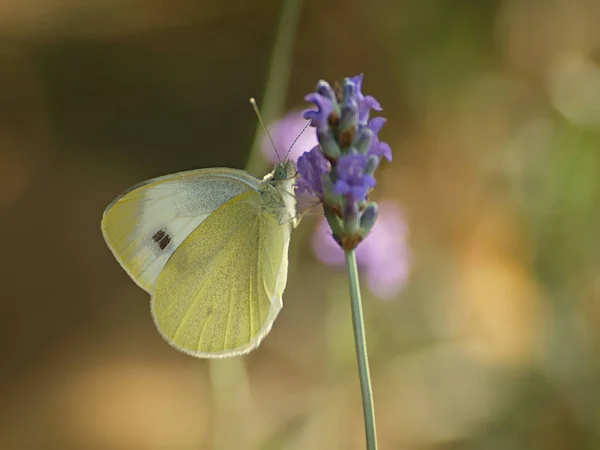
pixel 253 102
pixel 296 140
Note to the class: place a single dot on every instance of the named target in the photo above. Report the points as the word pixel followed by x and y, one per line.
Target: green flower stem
pixel 361 351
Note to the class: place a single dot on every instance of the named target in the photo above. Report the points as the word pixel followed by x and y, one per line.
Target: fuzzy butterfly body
pixel 211 247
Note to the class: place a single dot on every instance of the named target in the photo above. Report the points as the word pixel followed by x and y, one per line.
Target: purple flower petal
pixel 365 106
pixel 357 80
pixel 365 103
pixel 311 167
pixel 351 165
pixel 352 179
pixel 376 124
pixel 340 187
pixel 318 118
pixel 369 181
pixel 381 149
pixel 358 192
pixel 378 148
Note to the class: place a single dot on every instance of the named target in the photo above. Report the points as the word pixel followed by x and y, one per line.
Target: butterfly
pixel 211 248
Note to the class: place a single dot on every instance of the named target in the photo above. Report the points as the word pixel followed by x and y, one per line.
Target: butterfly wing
pixel 145 225
pixel 220 292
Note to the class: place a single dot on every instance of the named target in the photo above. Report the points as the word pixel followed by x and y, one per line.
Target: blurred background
pixel 487 335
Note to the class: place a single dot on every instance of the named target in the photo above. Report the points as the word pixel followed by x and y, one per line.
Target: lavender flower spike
pixel 340 170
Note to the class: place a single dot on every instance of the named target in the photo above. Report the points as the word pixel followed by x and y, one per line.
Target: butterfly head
pixel 285 170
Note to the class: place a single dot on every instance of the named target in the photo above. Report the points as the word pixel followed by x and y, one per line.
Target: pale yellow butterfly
pixel 211 248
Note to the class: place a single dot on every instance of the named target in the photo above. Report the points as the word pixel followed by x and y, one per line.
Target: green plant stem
pixel 360 343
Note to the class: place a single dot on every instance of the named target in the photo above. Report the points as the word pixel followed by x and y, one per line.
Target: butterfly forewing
pixel 144 226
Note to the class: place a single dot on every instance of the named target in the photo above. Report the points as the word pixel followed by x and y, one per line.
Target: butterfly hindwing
pixel 221 290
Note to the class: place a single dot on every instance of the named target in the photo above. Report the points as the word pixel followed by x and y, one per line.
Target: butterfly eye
pixel 280 173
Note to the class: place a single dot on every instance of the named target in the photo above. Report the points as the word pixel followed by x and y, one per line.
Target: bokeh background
pixel 493 111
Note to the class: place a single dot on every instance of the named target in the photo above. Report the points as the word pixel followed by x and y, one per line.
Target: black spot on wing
pixel 162 238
